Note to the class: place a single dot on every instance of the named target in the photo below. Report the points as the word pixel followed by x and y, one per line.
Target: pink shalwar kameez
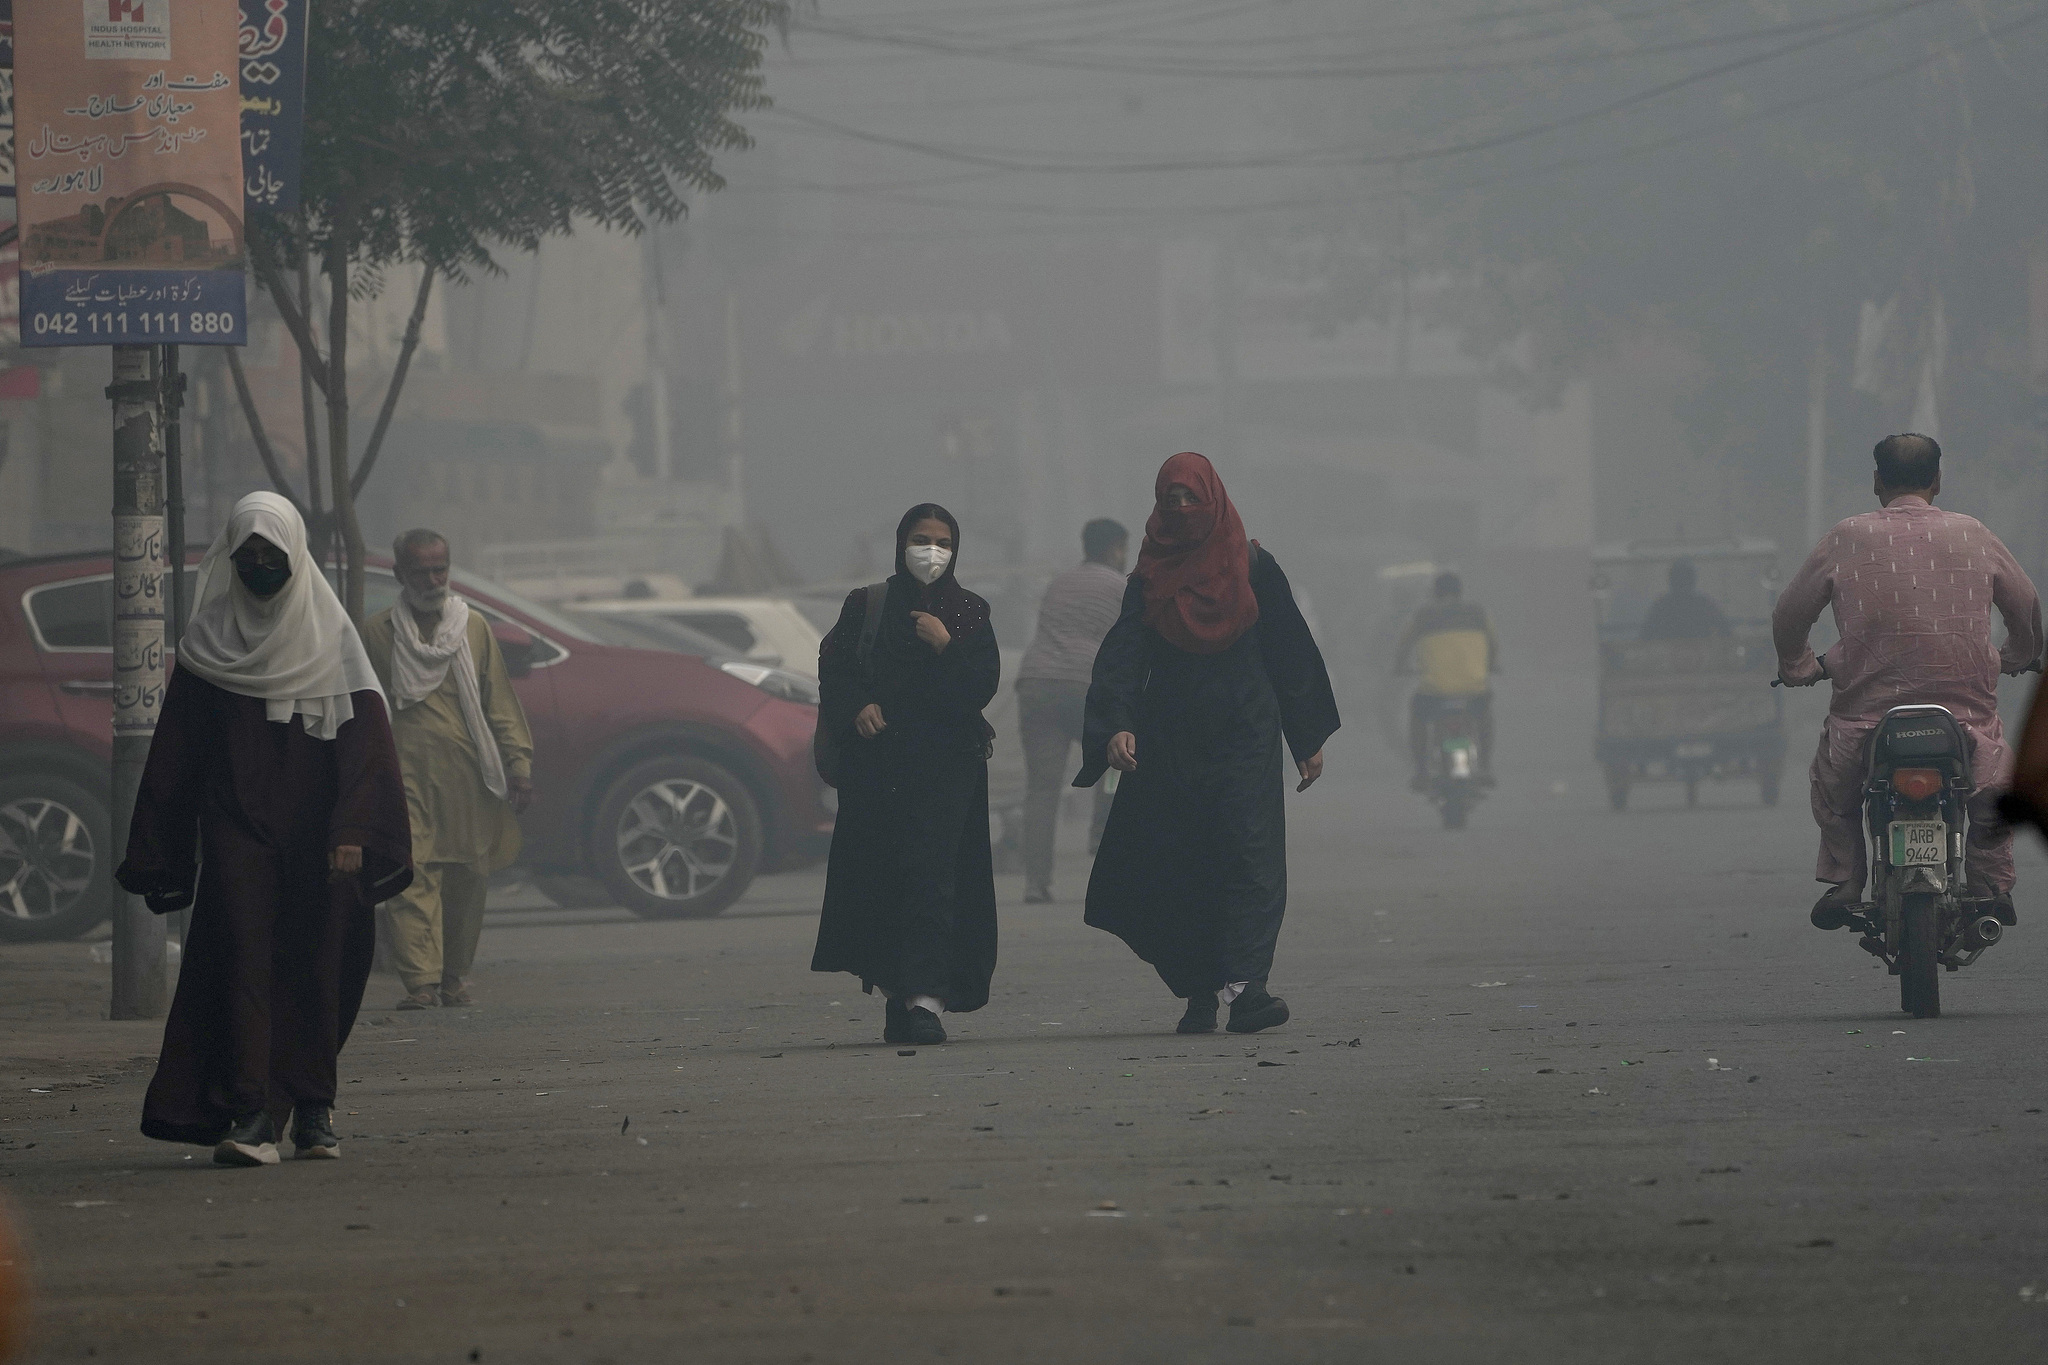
pixel 1912 588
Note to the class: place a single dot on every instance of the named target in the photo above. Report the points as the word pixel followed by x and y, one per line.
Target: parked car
pixel 671 778
pixel 768 630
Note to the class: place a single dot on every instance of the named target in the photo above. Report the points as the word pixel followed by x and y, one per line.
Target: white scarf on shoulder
pixel 419 667
pixel 296 651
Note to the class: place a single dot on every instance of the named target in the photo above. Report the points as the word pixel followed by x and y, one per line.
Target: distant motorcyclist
pixel 1450 642
pixel 1912 589
pixel 1684 613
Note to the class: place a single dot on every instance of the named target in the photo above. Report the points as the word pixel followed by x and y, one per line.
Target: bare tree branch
pixel 294 318
pixel 340 247
pixel 398 373
pixel 255 421
pixel 323 529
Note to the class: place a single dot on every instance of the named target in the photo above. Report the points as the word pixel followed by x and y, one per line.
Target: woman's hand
pixel 345 861
pixel 1123 751
pixel 932 631
pixel 869 722
pixel 1311 768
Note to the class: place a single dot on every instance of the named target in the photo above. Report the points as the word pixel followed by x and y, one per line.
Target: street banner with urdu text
pixel 129 155
pixel 273 52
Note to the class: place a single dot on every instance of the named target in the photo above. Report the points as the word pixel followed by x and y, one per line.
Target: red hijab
pixel 1196 563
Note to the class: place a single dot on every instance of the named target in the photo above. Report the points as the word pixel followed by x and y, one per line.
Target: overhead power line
pixel 1348 68
pixel 1099 213
pixel 1357 156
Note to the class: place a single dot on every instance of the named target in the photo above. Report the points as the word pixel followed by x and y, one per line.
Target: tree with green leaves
pixel 439 132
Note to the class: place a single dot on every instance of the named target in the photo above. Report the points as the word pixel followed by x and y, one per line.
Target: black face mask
pixel 263 580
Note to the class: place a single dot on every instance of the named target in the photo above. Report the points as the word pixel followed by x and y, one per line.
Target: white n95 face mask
pixel 927 563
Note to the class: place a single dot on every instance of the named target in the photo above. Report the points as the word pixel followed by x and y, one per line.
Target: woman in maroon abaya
pixel 274 782
pixel 1209 670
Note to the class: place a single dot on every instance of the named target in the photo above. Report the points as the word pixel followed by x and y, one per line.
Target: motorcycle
pixel 1920 919
pixel 1453 776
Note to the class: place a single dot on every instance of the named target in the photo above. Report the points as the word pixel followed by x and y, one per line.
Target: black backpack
pixel 825 749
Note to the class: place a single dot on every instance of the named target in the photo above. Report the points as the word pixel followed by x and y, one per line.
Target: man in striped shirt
pixel 1052 690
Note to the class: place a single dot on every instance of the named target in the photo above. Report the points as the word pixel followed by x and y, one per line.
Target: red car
pixel 671 778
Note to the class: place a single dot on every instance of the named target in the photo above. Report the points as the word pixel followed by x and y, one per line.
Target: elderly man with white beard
pixel 467 755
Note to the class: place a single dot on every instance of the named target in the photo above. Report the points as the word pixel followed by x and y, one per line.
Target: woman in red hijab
pixel 1209 669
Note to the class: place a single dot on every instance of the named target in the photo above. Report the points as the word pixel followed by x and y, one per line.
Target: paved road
pixel 1567 1087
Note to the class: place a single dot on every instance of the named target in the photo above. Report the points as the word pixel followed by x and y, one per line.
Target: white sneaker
pixel 252 1142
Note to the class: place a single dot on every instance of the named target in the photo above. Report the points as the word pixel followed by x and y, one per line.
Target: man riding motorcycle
pixel 1912 588
pixel 1453 642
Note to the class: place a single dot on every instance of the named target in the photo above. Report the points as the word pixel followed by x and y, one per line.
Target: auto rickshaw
pixel 1698 707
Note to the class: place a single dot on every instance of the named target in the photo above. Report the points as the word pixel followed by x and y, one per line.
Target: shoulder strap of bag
pixel 871 625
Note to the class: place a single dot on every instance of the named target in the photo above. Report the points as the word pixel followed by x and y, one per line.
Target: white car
pixel 766 630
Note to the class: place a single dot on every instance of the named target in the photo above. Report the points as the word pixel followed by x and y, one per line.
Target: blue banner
pixel 6 99
pixel 273 55
pixel 134 308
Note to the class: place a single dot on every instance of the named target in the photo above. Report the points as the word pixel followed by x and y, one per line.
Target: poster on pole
pixel 129 168
pixel 273 52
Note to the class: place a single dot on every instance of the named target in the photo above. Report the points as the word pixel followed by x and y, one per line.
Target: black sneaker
pixel 1201 1015
pixel 2000 907
pixel 895 1021
pixel 251 1141
pixel 1255 1011
pixel 1836 908
pixel 922 1027
pixel 313 1133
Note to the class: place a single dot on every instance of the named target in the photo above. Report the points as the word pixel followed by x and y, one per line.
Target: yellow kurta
pixel 455 819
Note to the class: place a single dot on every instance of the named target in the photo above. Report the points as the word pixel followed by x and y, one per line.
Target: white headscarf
pixel 298 651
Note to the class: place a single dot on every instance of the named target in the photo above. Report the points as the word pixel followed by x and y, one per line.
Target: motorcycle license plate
pixel 1919 843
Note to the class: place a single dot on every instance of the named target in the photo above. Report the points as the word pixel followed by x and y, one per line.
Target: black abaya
pixel 910 901
pixel 278 953
pixel 1192 870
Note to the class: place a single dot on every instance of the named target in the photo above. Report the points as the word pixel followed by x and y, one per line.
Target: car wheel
pixel 56 858
pixel 677 838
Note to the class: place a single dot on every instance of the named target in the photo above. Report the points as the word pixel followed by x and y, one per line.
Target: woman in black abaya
pixel 1208 670
pixel 910 901
pixel 272 783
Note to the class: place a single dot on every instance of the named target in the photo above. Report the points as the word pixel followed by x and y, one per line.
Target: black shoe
pixel 1255 1011
pixel 1201 1015
pixel 1835 909
pixel 313 1133
pixel 2000 907
pixel 895 1021
pixel 251 1141
pixel 921 1026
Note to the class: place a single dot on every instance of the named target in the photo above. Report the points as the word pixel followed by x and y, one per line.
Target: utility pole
pixel 1404 322
pixel 732 431
pixel 1229 381
pixel 140 987
pixel 657 356
pixel 1816 438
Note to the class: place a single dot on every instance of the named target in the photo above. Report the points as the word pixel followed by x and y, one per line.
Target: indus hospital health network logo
pixel 128 30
